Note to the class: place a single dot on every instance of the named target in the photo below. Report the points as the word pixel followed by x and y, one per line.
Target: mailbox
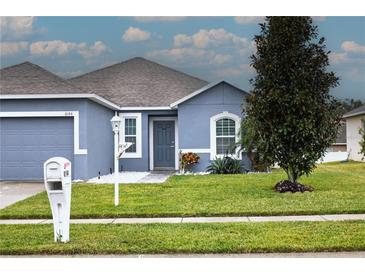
pixel 57 181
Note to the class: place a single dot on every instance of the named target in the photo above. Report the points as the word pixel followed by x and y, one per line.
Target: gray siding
pixel 100 140
pixel 94 129
pixel 194 117
pixel 142 164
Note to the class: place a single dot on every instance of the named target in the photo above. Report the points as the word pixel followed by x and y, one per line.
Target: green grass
pixel 339 188
pixel 186 238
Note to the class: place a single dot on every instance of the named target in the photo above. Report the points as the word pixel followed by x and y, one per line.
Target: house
pixel 355 120
pixel 163 111
pixel 340 144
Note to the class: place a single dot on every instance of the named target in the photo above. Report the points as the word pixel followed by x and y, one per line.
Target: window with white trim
pixel 224 130
pixel 225 136
pixel 131 132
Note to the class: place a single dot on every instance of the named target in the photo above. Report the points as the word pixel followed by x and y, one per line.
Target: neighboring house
pixel 355 120
pixel 163 112
pixel 340 144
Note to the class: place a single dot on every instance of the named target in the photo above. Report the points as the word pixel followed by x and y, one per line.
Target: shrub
pixel 225 165
pixel 188 160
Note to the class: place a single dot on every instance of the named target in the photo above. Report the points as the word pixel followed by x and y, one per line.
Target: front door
pixel 164 144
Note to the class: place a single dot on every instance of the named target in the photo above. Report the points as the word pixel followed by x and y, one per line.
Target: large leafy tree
pixel 290 108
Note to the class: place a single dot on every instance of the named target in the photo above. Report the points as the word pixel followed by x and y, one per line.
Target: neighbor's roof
pixel 28 78
pixel 138 82
pixel 355 112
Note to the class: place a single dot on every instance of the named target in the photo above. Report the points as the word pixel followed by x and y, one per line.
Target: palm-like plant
pixel 225 165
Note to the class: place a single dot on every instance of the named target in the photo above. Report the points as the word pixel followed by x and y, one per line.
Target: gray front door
pixel 164 144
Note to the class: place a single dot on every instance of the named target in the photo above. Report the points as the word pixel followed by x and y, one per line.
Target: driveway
pixel 12 192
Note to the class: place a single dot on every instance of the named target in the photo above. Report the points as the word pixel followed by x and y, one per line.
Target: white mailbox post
pixel 57 180
pixel 116 122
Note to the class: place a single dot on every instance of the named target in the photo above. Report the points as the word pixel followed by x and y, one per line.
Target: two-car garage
pixel 27 142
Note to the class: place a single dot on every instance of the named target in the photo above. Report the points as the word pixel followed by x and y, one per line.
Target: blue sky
pixel 212 48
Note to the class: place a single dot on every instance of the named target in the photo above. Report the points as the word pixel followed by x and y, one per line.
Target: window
pixel 225 135
pixel 131 132
pixel 224 129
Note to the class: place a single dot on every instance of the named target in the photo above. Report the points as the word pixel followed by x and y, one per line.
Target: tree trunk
pixel 292 175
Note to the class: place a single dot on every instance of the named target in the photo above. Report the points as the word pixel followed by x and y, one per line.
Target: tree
pixel 247 143
pixel 290 109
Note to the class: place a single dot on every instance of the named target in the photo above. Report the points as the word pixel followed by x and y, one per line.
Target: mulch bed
pixel 289 186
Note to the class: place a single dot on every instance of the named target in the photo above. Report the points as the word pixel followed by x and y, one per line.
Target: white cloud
pixel 210 48
pixel 146 19
pixel 16 27
pixel 352 53
pixel 12 48
pixel 135 35
pixel 45 48
pixel 220 59
pixel 336 58
pixel 61 48
pixel 210 38
pixel 179 54
pixel 353 47
pixel 233 72
pixel 247 20
pixel 89 52
pixel 181 40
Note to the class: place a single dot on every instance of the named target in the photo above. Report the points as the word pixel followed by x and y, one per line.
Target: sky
pixel 211 48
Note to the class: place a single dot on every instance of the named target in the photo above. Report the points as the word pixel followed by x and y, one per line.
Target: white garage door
pixel 26 143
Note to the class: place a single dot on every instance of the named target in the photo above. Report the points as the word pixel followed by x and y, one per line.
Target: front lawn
pixel 339 188
pixel 186 238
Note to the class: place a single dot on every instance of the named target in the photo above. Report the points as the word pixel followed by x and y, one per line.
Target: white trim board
pixel 145 108
pixel 150 137
pixel 354 114
pixel 92 97
pixel 195 150
pixel 213 138
pixel 138 117
pixel 74 114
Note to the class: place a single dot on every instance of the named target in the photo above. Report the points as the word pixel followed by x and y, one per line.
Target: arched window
pixel 225 136
pixel 224 129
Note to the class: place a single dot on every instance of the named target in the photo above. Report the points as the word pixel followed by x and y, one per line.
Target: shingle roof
pixel 356 111
pixel 138 82
pixel 28 78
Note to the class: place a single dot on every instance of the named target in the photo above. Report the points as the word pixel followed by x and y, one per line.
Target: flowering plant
pixel 188 160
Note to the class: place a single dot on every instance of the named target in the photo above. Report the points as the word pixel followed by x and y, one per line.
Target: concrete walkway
pixel 12 192
pixel 179 220
pixel 133 177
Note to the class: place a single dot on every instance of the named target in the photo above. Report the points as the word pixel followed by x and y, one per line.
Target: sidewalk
pixel 178 220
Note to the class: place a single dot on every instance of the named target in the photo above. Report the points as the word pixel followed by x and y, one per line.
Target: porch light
pixel 116 122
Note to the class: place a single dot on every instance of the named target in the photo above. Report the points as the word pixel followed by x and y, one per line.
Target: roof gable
pixel 28 78
pixel 202 90
pixel 139 83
